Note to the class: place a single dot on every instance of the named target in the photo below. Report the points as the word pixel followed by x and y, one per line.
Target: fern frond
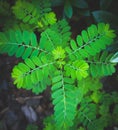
pixel 77 69
pixel 33 73
pixel 100 65
pixel 64 95
pixel 90 42
pixel 19 43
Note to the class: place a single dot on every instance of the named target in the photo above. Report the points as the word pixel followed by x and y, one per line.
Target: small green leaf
pixel 27 53
pixel 56 86
pixel 29 63
pixel 73 44
pixel 85 36
pixel 19 37
pixel 26 19
pixel 79 40
pixel 56 79
pixel 33 39
pixel 26 38
pixel 20 51
pixel 68 10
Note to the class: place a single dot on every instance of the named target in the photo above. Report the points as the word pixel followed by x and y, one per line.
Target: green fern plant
pixel 58 61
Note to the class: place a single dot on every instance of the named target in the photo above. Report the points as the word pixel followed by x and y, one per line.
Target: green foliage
pixel 22 44
pixel 26 12
pixel 49 123
pixel 72 68
pixel 77 69
pixel 90 42
pixel 90 84
pixel 33 73
pixel 31 127
pixel 64 95
pixel 58 61
pixel 63 30
pixel 90 118
pixel 103 67
pixel 41 15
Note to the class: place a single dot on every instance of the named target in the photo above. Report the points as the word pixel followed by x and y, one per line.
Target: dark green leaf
pixel 68 10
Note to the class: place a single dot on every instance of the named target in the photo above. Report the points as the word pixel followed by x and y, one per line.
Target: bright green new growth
pixel 60 62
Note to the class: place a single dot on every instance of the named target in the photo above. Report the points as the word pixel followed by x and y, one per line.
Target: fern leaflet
pixel 19 43
pixel 63 94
